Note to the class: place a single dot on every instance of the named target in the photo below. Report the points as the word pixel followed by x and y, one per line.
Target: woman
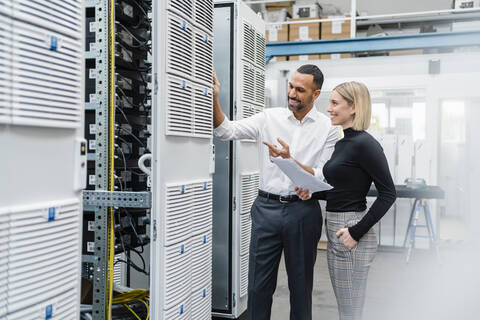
pixel 357 160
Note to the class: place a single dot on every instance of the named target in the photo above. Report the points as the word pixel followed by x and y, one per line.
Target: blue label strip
pixel 51 214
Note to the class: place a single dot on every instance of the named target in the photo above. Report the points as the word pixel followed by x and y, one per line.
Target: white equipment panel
pixel 180 283
pixel 41 134
pixel 247 33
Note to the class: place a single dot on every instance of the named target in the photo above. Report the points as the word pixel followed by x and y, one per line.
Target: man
pixel 280 222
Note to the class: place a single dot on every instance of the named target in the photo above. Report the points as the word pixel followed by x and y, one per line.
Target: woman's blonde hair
pixel 356 93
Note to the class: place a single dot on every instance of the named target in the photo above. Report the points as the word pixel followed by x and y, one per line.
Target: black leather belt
pixel 282 199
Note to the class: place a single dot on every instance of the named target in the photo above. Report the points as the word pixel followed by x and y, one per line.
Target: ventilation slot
pixel 248 82
pixel 202 208
pixel 179 107
pixel 178 214
pixel 180 49
pixel 5 72
pixel 243 275
pixel 249 110
pixel 260 50
pixel 38 253
pixel 203 15
pixel 201 259
pixel 181 311
pixel 249 191
pixel 201 303
pixel 183 8
pixel 203 58
pixel 61 16
pixel 46 83
pixel 177 275
pixel 245 230
pixel 203 101
pixel 248 52
pixel 260 87
pixel 64 305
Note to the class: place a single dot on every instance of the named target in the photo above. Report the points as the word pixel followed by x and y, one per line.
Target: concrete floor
pixel 423 289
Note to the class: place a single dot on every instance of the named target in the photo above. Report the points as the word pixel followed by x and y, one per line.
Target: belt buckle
pixel 283 201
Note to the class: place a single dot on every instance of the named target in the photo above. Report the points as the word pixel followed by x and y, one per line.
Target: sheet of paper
pixel 303 33
pixel 300 177
pixel 272 34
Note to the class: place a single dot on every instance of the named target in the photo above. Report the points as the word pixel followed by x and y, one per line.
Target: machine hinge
pixel 234 203
pixel 154 232
pixel 234 300
pixel 155 83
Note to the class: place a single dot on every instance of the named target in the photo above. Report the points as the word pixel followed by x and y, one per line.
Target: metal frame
pixel 122 199
pixel 100 105
pixel 400 42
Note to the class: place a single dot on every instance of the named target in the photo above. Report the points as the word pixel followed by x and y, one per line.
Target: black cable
pixel 141 43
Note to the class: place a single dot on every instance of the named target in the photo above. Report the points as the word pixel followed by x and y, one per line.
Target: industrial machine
pixel 44 158
pixel 239 59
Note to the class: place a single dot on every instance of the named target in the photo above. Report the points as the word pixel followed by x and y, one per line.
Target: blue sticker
pixel 204 186
pixel 53 43
pixel 250 108
pixel 184 84
pixel 249 178
pixel 206 38
pixel 182 249
pixel 51 214
pixel 184 25
pixel 205 92
pixel 251 27
pixel 181 309
pixel 204 239
pixel 204 293
pixel 49 312
pixel 183 190
pixel 251 67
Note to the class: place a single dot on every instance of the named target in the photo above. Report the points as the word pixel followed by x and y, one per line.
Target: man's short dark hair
pixel 315 72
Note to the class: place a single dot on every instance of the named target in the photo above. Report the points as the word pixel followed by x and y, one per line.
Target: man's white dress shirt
pixel 311 142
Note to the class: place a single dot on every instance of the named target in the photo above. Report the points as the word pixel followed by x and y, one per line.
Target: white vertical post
pixel 353 18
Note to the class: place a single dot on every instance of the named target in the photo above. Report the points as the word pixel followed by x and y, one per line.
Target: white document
pixel 299 176
pixel 272 34
pixel 303 33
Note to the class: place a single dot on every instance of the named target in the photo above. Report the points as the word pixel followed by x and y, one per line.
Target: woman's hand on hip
pixel 348 241
pixel 303 194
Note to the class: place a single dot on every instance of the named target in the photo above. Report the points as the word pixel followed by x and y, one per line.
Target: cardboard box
pixel 277 33
pixel 405 52
pixel 335 29
pixel 277 6
pixel 335 56
pixel 304 32
pixel 304 57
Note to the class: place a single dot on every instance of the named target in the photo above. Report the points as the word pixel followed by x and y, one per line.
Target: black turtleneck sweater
pixel 357 160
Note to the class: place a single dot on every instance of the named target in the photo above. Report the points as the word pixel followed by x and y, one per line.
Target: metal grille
pixel 177 275
pixel 203 115
pixel 203 15
pixel 40 253
pixel 181 7
pixel 203 67
pixel 179 107
pixel 248 82
pixel 179 46
pixel 248 42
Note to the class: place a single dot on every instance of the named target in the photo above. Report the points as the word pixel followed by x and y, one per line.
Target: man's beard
pixel 297 108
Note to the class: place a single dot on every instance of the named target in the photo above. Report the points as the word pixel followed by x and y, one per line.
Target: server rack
pixel 41 130
pixel 239 57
